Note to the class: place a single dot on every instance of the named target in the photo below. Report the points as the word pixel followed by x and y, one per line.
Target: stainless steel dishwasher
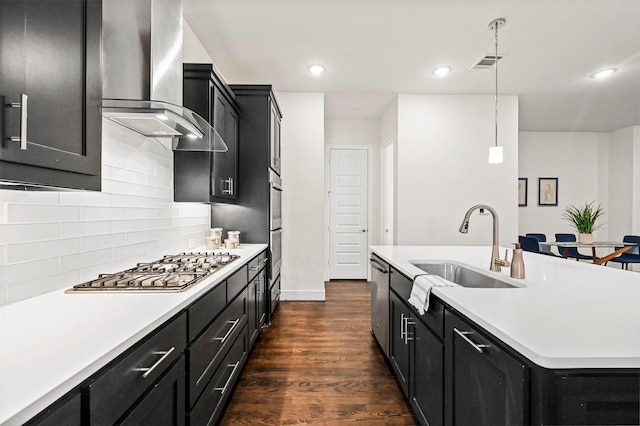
pixel 380 301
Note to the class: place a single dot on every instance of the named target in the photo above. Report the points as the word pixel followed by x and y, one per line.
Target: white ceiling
pixel 374 49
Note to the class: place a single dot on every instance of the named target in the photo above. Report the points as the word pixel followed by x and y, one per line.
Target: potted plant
pixel 583 219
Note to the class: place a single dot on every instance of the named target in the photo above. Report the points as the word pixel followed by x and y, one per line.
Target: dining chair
pixel 630 256
pixel 529 244
pixel 571 252
pixel 540 237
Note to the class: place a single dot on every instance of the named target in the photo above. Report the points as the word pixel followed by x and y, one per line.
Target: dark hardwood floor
pixel 319 364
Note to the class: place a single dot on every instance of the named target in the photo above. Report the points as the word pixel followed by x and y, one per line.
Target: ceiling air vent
pixel 485 62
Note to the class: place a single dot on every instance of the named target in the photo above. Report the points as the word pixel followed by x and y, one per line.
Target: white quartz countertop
pixel 568 314
pixel 52 343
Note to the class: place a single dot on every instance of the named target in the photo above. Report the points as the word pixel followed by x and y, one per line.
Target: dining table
pixel 618 247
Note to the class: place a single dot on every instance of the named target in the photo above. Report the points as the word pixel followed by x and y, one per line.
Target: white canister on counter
pixel 229 244
pixel 235 237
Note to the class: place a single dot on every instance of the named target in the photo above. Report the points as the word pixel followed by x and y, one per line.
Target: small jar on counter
pixel 229 244
pixel 234 236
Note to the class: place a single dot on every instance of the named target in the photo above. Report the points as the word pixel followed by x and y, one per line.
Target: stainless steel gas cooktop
pixel 169 274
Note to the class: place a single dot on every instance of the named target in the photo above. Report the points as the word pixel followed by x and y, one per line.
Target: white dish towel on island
pixel 421 290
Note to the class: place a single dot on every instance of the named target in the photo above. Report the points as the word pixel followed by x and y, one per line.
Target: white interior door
pixel 387 193
pixel 348 214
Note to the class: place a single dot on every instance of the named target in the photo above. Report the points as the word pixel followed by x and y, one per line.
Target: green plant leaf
pixel 583 218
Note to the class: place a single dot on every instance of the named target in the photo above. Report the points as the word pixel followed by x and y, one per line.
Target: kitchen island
pixel 51 344
pixel 560 347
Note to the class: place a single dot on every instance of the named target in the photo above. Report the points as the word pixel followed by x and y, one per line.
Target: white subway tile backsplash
pixel 79 229
pixel 85 258
pixel 52 240
pixel 38 250
pixel 102 213
pixel 17 213
pixel 19 233
pixel 26 271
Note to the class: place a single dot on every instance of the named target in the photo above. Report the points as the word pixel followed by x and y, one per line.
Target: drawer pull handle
pixel 23 121
pixel 406 333
pixel 229 189
pixel 148 371
pixel 475 346
pixel 255 268
pixel 226 336
pixel 226 385
pixel 264 260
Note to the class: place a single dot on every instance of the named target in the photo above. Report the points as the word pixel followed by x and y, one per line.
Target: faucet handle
pixel 499 262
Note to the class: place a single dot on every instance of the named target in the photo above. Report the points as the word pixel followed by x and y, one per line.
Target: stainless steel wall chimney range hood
pixel 142 74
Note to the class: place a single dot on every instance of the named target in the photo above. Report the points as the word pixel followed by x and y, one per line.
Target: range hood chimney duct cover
pixel 142 74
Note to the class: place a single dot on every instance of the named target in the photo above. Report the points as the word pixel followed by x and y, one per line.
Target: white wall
pixel 621 183
pixel 53 240
pixel 388 133
pixel 579 161
pixel 193 50
pixel 364 133
pixel 443 144
pixel 303 209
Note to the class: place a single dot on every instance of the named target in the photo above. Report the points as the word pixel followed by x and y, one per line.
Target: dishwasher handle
pixel 376 265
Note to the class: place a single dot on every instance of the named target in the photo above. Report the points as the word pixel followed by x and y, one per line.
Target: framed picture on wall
pixel 547 191
pixel 522 192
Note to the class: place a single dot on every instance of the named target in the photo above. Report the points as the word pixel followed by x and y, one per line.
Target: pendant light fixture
pixel 495 152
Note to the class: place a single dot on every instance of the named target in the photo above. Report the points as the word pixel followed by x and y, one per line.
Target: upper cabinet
pixel 208 176
pixel 50 92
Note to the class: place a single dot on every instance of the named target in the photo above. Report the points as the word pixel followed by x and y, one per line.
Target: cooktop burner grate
pixel 170 274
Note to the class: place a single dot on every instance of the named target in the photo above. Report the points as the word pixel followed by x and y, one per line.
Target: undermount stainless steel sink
pixel 463 276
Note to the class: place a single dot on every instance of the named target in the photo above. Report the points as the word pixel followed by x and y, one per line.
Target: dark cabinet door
pixel 252 311
pixel 50 90
pixel 208 176
pixel 427 376
pixel 224 172
pixel 486 385
pixel 399 316
pixel 261 300
pixel 66 412
pixel 275 140
pixel 164 404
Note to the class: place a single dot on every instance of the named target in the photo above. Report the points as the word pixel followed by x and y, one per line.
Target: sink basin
pixel 463 275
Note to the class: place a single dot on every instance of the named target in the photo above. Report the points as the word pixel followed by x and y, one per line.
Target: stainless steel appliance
pixel 170 274
pixel 380 301
pixel 275 225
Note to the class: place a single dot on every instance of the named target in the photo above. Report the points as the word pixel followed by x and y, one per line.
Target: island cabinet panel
pixel 66 411
pixel 50 93
pixel 416 351
pixel 585 397
pixel 399 315
pixel 484 384
pixel 119 388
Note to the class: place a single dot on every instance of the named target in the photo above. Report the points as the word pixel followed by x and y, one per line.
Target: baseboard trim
pixel 303 295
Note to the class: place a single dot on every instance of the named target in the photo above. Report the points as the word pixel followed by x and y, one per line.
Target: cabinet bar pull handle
pixel 402 327
pixel 148 371
pixel 255 268
pixel 226 336
pixel 23 121
pixel 229 190
pixel 406 334
pixel 476 346
pixel 224 388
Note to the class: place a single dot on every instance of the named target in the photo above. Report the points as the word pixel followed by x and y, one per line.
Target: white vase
pixel 585 238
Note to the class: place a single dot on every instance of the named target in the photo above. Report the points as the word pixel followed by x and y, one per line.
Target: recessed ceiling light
pixel 604 73
pixel 316 69
pixel 441 71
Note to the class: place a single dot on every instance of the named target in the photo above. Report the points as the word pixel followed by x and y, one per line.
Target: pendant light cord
pixel 496 97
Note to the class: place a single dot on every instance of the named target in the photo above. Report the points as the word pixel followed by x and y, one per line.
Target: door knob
pixel 363 230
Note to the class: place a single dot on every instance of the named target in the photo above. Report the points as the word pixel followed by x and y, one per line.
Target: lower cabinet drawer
pixel 218 390
pixel 205 354
pixel 116 390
